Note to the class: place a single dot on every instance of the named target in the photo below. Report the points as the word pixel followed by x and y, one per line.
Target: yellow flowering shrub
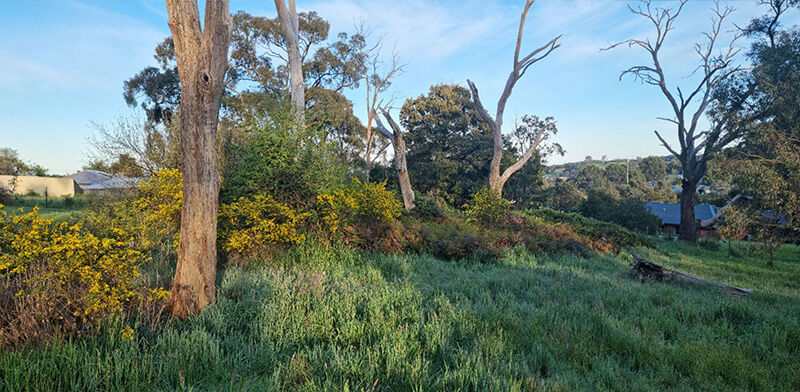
pixel 248 225
pixel 70 275
pixel 487 206
pixel 358 203
pixel 151 214
pixel 160 200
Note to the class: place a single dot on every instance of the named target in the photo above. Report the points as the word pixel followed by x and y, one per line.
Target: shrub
pixel 629 213
pixel 159 200
pixel 487 206
pixel 248 225
pixel 427 207
pixel 59 277
pixel 151 214
pixel 359 203
pixel 453 240
pixel 6 196
pixel 619 236
pixel 271 158
pixel 709 244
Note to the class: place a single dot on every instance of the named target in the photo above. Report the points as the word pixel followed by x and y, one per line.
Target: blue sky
pixel 63 63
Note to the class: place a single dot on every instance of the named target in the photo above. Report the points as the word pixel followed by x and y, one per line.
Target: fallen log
pixel 647 270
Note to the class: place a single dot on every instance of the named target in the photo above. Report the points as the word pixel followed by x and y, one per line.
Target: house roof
pixel 87 177
pixel 670 213
pixel 114 182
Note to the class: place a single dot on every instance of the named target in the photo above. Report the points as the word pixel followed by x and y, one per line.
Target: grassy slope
pixel 341 320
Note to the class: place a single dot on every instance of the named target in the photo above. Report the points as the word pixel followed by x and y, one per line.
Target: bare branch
pixel 666 145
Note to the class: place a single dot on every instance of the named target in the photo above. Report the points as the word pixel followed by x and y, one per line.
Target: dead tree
pixel 202 57
pixel 377 79
pixel 291 31
pixel 399 145
pixel 521 65
pixel 695 147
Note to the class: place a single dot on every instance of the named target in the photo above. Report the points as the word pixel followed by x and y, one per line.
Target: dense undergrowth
pixel 329 318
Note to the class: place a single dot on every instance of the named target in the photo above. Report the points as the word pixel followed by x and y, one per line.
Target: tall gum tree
pixel 202 59
pixel 716 66
pixel 521 65
pixel 287 15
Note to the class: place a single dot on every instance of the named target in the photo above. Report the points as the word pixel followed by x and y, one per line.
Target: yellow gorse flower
pixel 249 224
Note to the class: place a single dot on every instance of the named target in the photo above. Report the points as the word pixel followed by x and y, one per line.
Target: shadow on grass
pixel 328 319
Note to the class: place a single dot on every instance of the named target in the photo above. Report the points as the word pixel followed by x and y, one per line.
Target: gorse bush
pixel 152 214
pixel 487 206
pixel 59 277
pixel 358 203
pixel 160 199
pixel 249 225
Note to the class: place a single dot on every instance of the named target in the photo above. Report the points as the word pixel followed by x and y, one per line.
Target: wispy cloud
pixel 424 32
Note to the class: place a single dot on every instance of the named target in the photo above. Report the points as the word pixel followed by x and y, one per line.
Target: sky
pixel 63 64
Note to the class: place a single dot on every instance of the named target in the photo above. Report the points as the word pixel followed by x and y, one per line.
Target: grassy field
pixel 59 209
pixel 333 320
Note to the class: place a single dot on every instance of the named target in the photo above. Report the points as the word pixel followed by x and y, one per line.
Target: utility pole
pixel 627 173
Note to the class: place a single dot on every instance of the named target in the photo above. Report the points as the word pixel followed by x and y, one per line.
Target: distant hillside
pixel 569 169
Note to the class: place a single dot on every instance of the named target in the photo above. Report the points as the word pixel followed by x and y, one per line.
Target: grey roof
pixel 115 182
pixel 670 213
pixel 87 177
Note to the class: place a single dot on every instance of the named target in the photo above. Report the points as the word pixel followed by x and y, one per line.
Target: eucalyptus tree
pixel 201 55
pixel 688 106
pixel 538 134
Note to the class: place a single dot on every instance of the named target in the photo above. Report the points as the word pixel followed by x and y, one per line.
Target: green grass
pixel 57 209
pixel 332 320
pixel 56 214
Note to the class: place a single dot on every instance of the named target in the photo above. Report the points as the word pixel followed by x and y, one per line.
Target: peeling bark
pixel 202 57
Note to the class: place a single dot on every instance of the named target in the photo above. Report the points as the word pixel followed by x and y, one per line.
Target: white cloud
pixel 424 32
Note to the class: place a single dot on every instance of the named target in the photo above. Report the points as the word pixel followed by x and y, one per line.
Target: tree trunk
pixel 202 61
pixel 688 229
pixel 289 24
pixel 399 146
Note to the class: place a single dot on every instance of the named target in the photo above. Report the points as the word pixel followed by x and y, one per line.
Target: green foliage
pixel 488 207
pixel 627 212
pixel 617 235
pixel 428 208
pixel 653 168
pixel 249 225
pixel 564 196
pixel 709 244
pixel 12 165
pixel 292 167
pixel 449 146
pixel 591 177
pixel 6 196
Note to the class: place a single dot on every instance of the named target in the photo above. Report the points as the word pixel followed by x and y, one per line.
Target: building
pixel 101 183
pixel 670 215
pixel 42 186
pixel 89 177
